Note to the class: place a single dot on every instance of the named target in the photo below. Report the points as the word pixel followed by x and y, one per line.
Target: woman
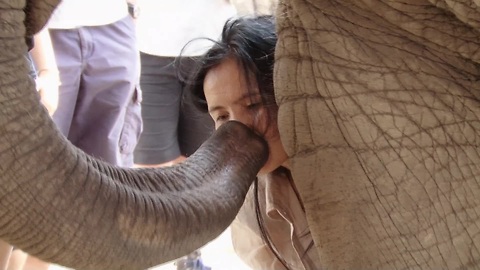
pixel 234 81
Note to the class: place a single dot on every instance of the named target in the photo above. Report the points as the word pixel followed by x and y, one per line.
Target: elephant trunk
pixel 35 20
pixel 65 207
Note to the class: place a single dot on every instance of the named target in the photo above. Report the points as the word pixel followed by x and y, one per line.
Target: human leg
pixel 67 49
pixel 158 144
pixel 195 127
pixel 104 124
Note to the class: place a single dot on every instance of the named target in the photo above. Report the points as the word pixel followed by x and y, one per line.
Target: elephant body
pixel 378 111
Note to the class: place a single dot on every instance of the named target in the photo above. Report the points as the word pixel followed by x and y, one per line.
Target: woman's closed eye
pixel 221 117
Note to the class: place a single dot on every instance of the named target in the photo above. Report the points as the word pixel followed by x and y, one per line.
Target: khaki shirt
pixel 284 220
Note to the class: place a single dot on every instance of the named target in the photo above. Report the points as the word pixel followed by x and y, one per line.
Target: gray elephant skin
pixel 379 112
pixel 63 206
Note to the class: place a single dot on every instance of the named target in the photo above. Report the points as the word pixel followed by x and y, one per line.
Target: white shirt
pixel 76 13
pixel 165 26
pixel 285 221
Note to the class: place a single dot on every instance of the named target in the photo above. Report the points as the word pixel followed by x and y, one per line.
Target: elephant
pixel 379 114
pixel 63 206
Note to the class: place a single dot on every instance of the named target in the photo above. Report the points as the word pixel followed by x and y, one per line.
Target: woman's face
pixel 228 98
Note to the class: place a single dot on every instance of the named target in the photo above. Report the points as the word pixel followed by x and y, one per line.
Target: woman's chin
pixel 268 168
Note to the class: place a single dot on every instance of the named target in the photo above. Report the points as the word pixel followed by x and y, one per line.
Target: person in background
pixel 95 48
pixel 234 81
pixel 172 129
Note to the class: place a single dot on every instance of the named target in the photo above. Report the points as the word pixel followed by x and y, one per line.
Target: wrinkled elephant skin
pixel 379 107
pixel 63 206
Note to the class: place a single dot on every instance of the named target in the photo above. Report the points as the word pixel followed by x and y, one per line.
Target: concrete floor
pixel 218 254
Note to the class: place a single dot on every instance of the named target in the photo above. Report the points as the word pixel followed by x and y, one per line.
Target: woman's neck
pixel 286 164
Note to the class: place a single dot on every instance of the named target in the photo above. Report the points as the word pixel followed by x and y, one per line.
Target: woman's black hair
pixel 250 41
